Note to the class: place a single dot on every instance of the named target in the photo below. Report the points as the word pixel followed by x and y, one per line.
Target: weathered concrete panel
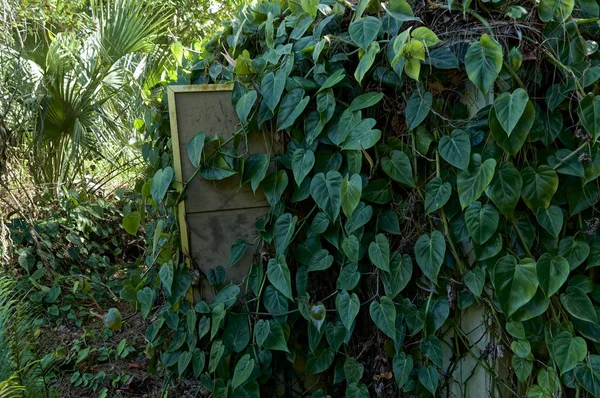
pixel 216 213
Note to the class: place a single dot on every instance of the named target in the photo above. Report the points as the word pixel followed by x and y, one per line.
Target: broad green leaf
pixel 194 149
pixel 388 221
pixel 579 305
pixel 589 109
pixel 378 191
pixel 562 165
pixel 217 318
pixel 456 149
pixel 588 375
pixel 475 281
pixel 160 183
pixel 335 333
pixel 505 188
pixel 302 163
pixel 426 36
pixel 334 79
pixel 538 186
pixel 582 197
pixel 551 219
pixel 166 275
pixel 261 331
pixel 317 313
pixel 512 143
pixel 482 221
pixel 400 274
pixel 471 183
pixel 347 122
pixel 291 107
pixel 417 108
pixel 522 366
pixel 402 366
pixel 400 10
pixel 429 253
pixel 131 222
pixel 361 215
pixel 366 100
pixel 398 167
pixel 351 247
pixel 216 353
pixel 552 273
pixel 362 136
pixel 320 360
pixel 279 276
pixel 347 307
pixel 555 10
pixel 183 361
pixel 351 191
pixel 146 298
pixel 510 107
pixel 366 61
pixel 437 194
pixel 568 351
pixel 255 169
pixel 320 261
pixel 275 302
pixel 326 191
pixel 349 277
pixel 383 314
pixel 574 250
pixel 242 372
pixel 275 185
pixel 379 252
pixel 357 391
pixel 364 31
pixel 275 339
pixel 320 223
pixel 431 347
pixel 429 377
pixel 284 229
pixel 483 62
pixel 271 88
pixel 198 361
pixel 353 370
pixel 245 104
pixel 515 283
pixel 237 251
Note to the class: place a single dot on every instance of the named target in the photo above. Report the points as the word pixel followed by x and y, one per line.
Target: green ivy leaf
pixel 471 184
pixel 400 274
pixel 505 188
pixel 364 101
pixel 510 107
pixel 456 149
pixel 557 10
pixel 349 277
pixel 291 107
pixel 326 191
pixel 417 108
pixel 351 190
pixel 238 249
pixel 362 136
pixel 279 276
pixel 398 167
pixel 350 248
pixel 146 298
pixel 402 366
pixel 353 370
pixel 302 163
pixel 589 108
pixel 512 143
pixel 166 275
pixel 481 221
pixel 366 61
pixel 275 185
pixel 271 88
pixel 588 375
pixel 568 351
pixel 255 169
pixel 216 353
pixel 361 215
pixel 320 360
pixel 515 283
pixel 437 194
pixel 483 62
pixel 430 253
pixel 574 250
pixel 383 313
pixel 475 281
pixel 551 219
pixel 347 307
pixel 379 252
pixel 262 330
pixel 552 273
pixel 538 186
pixel 183 361
pixel 275 339
pixel 198 361
pixel 332 80
pixel 284 229
pixel 522 366
pixel 429 377
pixel 194 149
pixel 400 10
pixel 578 304
pixel 242 372
pixel 364 31
pixel 131 222
pixel 160 183
pixel 431 347
pixel 335 332
pixel 320 261
pixel 245 104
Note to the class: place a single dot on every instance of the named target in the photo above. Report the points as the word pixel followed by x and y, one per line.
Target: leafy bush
pixel 401 201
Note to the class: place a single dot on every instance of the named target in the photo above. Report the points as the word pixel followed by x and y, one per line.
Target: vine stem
pixel 522 239
pixel 565 68
pixel 569 156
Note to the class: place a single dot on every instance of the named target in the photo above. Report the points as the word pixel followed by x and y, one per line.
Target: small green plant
pixel 399 203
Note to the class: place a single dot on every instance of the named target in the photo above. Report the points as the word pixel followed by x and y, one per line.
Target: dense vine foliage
pixel 438 160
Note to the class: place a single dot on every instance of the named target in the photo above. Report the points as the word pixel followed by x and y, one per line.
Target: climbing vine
pixel 437 160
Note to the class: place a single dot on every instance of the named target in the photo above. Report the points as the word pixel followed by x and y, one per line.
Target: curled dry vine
pixel 420 179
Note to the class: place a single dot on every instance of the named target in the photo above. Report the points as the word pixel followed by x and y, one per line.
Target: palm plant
pixel 82 89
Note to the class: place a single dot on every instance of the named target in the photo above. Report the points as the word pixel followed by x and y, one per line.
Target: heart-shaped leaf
pixel 429 253
pixel 539 186
pixel 400 273
pixel 284 232
pixel 552 273
pixel 481 221
pixel 512 143
pixel 242 372
pixel 456 149
pixel 589 110
pixel 160 183
pixel 379 252
pixel 279 276
pixel 505 188
pixel 364 31
pixel 568 350
pixel 326 191
pixel 302 163
pixel 579 305
pixel 402 365
pixel 551 219
pixel 557 10
pixel 398 167
pixel 347 307
pixel 383 313
pixel 417 108
pixel 194 149
pixel 437 194
pixel 429 377
pixel 483 62
pixel 475 280
pixel 350 192
pixel 471 183
pixel 510 107
pixel 515 283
